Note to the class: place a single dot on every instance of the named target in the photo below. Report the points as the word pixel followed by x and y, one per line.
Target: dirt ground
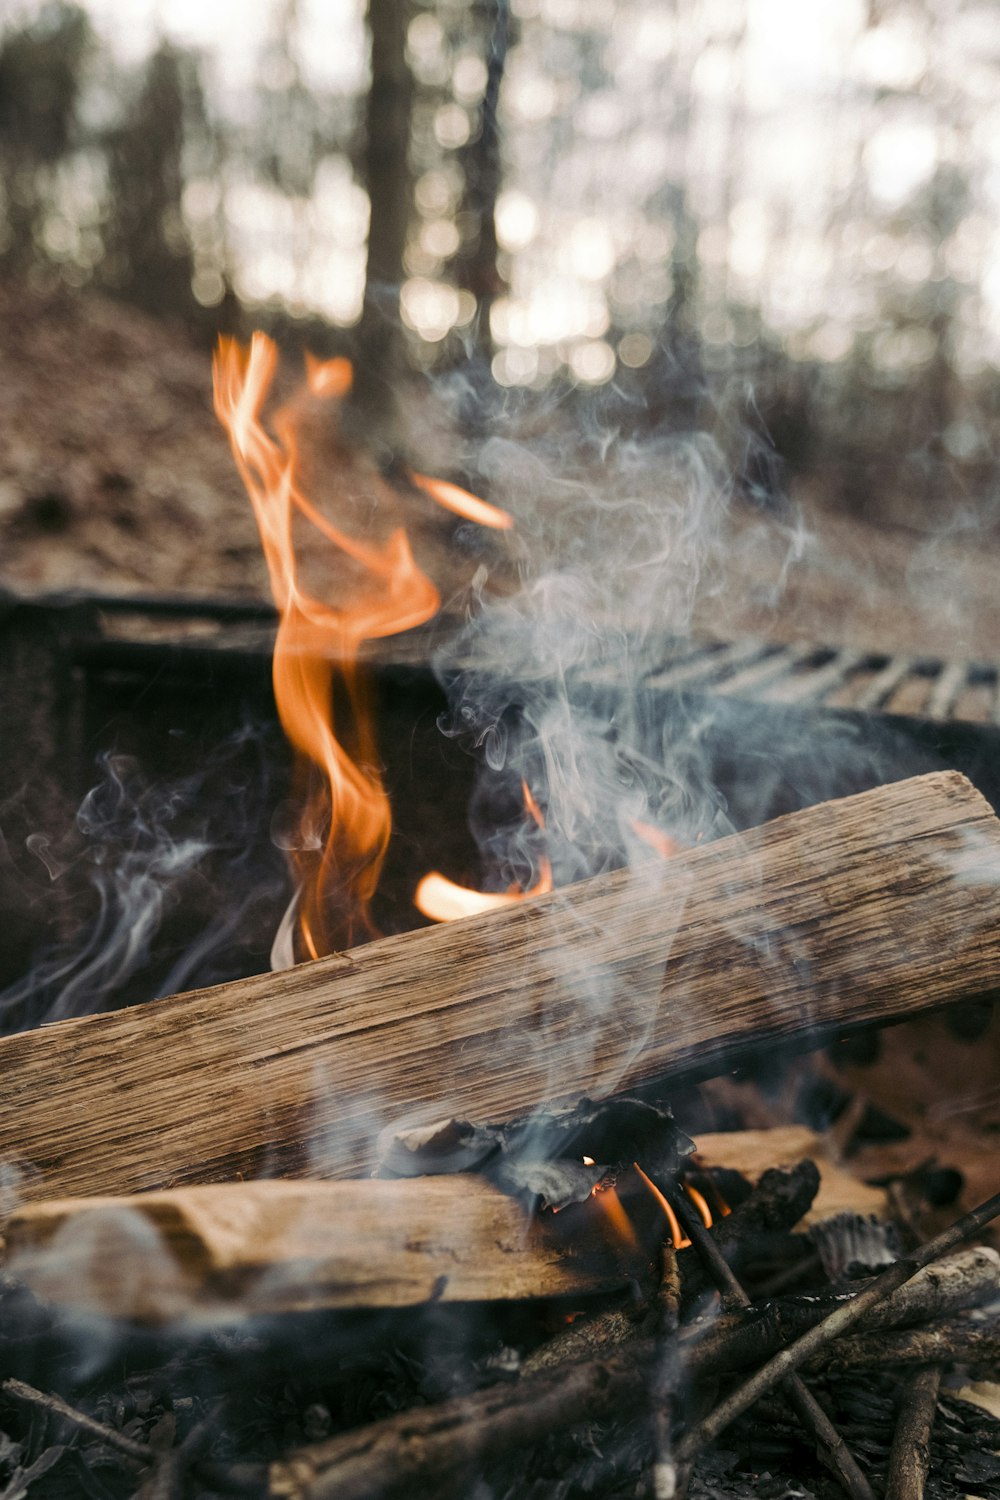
pixel 115 475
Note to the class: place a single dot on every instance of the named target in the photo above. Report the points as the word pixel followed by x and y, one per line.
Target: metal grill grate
pixel 825 677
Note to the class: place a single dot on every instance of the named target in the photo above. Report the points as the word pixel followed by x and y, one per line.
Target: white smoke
pixel 143 851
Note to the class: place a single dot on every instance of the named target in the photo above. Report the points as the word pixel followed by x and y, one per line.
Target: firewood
pixel 831 1449
pixel 437 1449
pixel 952 1341
pixel 910 1457
pixel 437 1446
pixel 853 912
pixel 737 1340
pixel 817 1340
pixel 278 1246
pixel 753 1152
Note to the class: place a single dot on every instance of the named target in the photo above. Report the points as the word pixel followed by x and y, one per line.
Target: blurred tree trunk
pixel 41 65
pixel 379 348
pixel 475 265
pixel 148 257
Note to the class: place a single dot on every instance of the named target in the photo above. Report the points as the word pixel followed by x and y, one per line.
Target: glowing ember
pixel 443 900
pixel 346 820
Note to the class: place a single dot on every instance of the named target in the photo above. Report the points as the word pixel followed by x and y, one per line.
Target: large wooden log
pixel 858 911
pixel 270 1247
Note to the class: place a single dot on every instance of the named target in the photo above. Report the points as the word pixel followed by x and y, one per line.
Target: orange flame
pixel 443 900
pixel 618 1221
pixel 662 843
pixel 453 497
pixel 346 821
pixel 679 1239
pixel 700 1204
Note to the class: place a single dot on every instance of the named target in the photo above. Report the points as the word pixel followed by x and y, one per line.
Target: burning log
pixel 853 912
pixel 273 1247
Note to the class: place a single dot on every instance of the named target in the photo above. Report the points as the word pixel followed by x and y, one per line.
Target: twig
pixel 788 1360
pixel 910 1457
pixel 740 1339
pixel 438 1446
pixel 949 1342
pixel 830 1446
pixel 666 1378
pixel 59 1408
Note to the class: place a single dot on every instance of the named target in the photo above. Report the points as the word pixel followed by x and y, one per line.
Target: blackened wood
pixel 434 1450
pixel 831 1449
pixel 952 1341
pixel 754 1152
pixel 779 1200
pixel 910 1457
pixel 736 1341
pixel 834 1326
pixel 862 910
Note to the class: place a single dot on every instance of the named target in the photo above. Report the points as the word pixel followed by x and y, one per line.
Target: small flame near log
pixel 442 900
pixel 346 820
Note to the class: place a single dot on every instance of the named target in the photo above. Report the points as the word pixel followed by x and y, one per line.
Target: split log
pixel 289 1246
pixel 858 911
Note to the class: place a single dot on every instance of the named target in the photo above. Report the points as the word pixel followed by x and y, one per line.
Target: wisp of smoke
pixel 145 850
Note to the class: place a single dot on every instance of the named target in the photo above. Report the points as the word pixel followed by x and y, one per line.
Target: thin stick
pixel 59 1408
pixel 910 1457
pixel 830 1446
pixel 839 1321
pixel 438 1446
pixel 738 1340
pixel 666 1377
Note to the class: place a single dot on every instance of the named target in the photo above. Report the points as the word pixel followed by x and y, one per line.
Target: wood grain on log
pixel 286 1246
pixel 862 910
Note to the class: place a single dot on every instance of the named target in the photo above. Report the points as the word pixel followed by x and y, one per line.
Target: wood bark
pixel 910 1458
pixel 287 1246
pixel 739 1340
pixel 858 911
pixel 435 1450
pixel 955 1341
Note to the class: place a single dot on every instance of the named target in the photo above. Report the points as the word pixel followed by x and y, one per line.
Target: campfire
pixel 441 1211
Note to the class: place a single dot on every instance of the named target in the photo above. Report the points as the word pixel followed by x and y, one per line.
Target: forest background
pixel 773 223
